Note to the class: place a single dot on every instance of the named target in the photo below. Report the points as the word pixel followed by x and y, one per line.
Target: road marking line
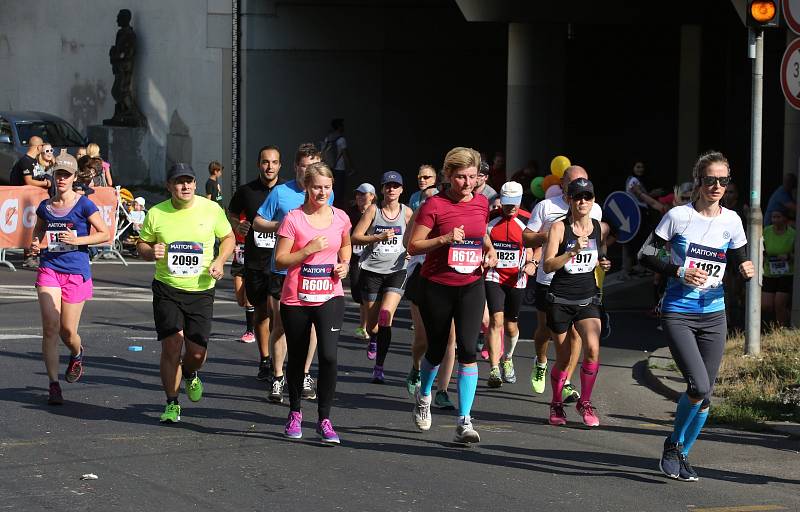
pixel 744 508
pixel 18 336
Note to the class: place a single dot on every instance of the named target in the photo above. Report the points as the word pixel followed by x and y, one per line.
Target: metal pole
pixel 752 340
pixel 235 53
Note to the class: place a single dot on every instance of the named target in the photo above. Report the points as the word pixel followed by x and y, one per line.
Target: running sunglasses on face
pixel 584 195
pixel 709 181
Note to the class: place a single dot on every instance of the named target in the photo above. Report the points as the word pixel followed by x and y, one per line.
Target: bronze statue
pixel 122 54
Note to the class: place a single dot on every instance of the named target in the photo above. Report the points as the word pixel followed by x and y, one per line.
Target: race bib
pixel 465 257
pixel 238 254
pixel 393 245
pixel 55 245
pixel 507 254
pixel 316 283
pixel 777 266
pixel 185 258
pixel 711 260
pixel 584 261
pixel 357 249
pixel 264 240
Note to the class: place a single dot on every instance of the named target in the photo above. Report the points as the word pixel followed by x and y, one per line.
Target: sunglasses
pixel 424 177
pixel 586 196
pixel 48 150
pixel 709 181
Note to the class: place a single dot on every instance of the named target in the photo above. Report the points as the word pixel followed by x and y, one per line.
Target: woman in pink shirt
pixel 314 246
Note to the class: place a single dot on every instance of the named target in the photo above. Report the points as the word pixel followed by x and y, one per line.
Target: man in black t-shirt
pixel 213 187
pixel 22 172
pixel 257 247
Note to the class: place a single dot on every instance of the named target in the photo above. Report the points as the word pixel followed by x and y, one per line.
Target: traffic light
pixel 763 13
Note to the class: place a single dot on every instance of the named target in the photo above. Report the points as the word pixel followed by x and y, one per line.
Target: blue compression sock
pixel 427 374
pixel 684 415
pixel 694 430
pixel 467 383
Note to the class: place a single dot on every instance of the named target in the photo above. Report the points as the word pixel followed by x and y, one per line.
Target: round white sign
pixel 790 74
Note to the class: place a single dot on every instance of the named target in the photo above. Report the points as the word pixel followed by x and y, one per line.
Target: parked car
pixel 17 127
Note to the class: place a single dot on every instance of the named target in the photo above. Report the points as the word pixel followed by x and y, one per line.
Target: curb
pixel 671 385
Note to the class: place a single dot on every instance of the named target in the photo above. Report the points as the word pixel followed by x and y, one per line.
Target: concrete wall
pixel 179 75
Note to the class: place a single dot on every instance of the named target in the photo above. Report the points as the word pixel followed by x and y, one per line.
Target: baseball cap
pixel 579 186
pixel 180 169
pixel 391 177
pixel 366 188
pixel 140 200
pixel 66 162
pixel 511 193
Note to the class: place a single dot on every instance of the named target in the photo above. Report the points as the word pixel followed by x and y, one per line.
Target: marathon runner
pixel 179 234
pixel 383 266
pixel 505 284
pixel 703 239
pixel 364 197
pixel 450 229
pixel 258 248
pixel 61 237
pixel 314 248
pixel 237 273
pixel 283 199
pixel 575 246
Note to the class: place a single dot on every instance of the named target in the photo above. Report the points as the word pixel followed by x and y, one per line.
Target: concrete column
pixel 535 101
pixel 689 101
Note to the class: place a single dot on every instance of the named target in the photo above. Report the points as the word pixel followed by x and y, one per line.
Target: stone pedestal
pixel 126 149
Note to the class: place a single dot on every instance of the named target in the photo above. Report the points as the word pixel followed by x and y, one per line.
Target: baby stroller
pixel 127 236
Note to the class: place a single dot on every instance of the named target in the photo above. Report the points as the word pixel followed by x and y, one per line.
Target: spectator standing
pixel 213 187
pixel 93 150
pixel 778 267
pixel 482 187
pixel 337 156
pixel 23 171
pixel 784 197
pixel 426 176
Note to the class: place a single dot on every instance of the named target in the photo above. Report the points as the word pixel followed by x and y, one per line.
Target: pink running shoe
pixel 294 423
pixel 586 410
pixel 326 432
pixel 248 337
pixel 557 415
pixel 372 350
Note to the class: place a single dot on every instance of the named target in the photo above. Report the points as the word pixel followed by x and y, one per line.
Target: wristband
pixel 681 272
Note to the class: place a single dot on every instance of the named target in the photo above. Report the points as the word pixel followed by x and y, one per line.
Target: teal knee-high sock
pixel 684 415
pixel 427 374
pixel 467 383
pixel 694 430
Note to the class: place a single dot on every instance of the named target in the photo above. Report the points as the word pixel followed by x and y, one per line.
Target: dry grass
pixel 761 388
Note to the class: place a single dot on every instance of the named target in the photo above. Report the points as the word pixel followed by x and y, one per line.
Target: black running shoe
pixel 670 463
pixel 264 370
pixel 686 472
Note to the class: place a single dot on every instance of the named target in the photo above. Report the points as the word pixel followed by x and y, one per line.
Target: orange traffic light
pixel 763 13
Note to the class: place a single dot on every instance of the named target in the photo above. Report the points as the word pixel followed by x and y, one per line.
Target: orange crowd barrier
pixel 18 212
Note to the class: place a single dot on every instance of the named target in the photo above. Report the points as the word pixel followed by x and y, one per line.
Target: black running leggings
pixel 439 305
pixel 697 342
pixel 297 320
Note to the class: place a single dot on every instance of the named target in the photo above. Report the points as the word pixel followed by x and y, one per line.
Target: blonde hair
pixel 703 162
pixel 459 158
pixel 93 150
pixel 313 170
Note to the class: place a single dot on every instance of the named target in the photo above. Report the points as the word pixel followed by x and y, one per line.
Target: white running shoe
pixel 422 411
pixel 465 434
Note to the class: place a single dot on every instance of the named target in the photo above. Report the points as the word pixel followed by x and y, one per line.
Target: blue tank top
pixel 64 258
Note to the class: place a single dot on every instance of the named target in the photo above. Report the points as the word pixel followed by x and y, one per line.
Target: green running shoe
pixel 172 414
pixel 569 394
pixel 494 380
pixel 412 381
pixel 538 378
pixel 442 401
pixel 194 388
pixel 507 372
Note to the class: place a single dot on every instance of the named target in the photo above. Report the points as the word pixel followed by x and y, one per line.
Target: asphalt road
pixel 228 452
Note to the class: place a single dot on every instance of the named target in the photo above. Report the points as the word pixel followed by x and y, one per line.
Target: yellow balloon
pixel 558 165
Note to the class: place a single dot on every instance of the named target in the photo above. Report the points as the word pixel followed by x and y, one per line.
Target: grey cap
pixel 366 188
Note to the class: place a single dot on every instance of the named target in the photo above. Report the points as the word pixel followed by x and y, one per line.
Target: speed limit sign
pixel 790 74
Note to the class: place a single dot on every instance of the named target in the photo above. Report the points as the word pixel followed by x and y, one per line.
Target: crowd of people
pixel 461 252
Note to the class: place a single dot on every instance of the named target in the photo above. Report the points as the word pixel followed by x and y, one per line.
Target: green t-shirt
pixel 776 245
pixel 189 235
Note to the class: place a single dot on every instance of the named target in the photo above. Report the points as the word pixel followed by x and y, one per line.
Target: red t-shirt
pixel 455 264
pixel 506 235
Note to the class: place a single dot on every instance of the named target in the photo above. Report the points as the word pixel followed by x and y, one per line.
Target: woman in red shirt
pixel 450 229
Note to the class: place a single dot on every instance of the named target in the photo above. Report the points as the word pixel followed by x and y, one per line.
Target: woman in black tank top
pixel 575 246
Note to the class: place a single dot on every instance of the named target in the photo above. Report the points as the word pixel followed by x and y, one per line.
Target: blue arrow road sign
pixel 622 212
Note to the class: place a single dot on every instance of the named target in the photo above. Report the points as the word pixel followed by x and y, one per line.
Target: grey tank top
pixel 386 256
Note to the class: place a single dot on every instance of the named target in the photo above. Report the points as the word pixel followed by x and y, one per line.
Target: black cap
pixel 180 169
pixel 578 186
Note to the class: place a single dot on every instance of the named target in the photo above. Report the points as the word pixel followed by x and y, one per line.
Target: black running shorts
pixel 177 310
pixel 503 298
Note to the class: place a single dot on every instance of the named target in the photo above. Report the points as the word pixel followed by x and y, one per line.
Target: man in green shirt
pixel 179 234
